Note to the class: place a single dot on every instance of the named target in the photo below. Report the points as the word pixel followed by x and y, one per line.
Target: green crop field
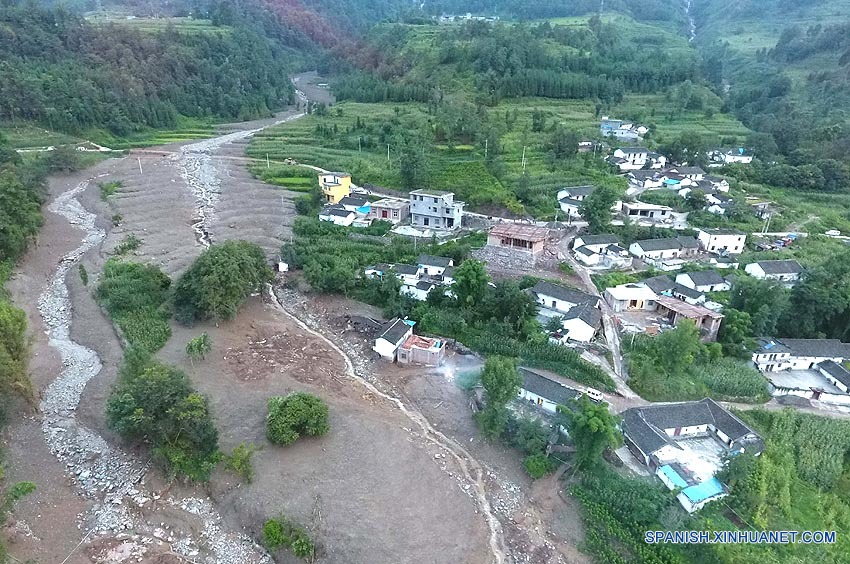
pixel 155 25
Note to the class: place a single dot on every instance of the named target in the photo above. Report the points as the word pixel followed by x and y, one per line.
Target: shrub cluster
pixel 295 415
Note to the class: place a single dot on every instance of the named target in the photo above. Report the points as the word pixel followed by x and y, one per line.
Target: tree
pixel 592 429
pixel 291 416
pixel 596 208
pixel 501 383
pixel 678 348
pixel 766 301
pixel 155 403
pixel 555 324
pixel 508 303
pixel 820 303
pixel 538 465
pixel 14 353
pixel 199 347
pixel 563 143
pixel 219 281
pixel 413 163
pixel 736 333
pixel 470 283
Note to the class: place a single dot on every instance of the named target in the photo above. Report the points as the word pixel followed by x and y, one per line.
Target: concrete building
pixel 595 243
pixel 394 211
pixel 641 210
pixel 581 323
pixel 630 297
pixel 432 266
pixel 669 248
pixel 518 237
pixel 422 350
pixel 335 186
pixel 722 241
pixel 570 199
pixel 337 215
pixel 435 209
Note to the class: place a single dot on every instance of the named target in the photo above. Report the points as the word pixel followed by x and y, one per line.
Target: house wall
pixel 596 248
pixel 692 507
pixel 635 450
pixel 414 292
pixel 425 357
pixel 338 220
pixel 387 349
pixel 685 431
pixel 539 401
pixel 334 188
pixel 437 212
pixel 589 260
pixel 579 331
pixel 392 214
pixel 734 244
pixel 553 303
pixel 431 270
pixel 515 244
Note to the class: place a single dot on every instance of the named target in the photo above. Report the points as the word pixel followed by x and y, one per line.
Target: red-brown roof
pixel 688 310
pixel 519 231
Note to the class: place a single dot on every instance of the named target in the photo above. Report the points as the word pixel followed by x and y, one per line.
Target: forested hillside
pixel 71 75
pixel 786 67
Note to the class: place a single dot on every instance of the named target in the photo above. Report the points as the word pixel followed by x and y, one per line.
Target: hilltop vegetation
pixel 70 75
pixel 785 64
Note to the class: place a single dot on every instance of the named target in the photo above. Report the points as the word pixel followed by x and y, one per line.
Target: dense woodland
pixel 73 76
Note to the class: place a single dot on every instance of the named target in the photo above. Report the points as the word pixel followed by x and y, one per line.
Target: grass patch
pixel 134 295
pixel 128 244
pixel 108 189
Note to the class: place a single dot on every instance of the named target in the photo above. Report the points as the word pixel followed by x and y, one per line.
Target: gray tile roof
pixel 405 269
pixel 705 278
pixel 685 291
pixel 688 242
pixel 578 190
pixel 837 371
pixel 430 260
pixel 601 239
pixel 546 387
pixel 587 313
pixel 780 266
pixel 352 201
pixel 645 425
pixel 659 284
pixel 720 231
pixel 564 293
pixel 394 330
pixel 668 244
pixel 818 347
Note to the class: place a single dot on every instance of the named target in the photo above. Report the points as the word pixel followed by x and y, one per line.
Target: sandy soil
pixel 373 490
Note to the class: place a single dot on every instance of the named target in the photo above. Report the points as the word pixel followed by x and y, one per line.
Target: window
pixel 435 200
pixel 395 213
pixel 426 221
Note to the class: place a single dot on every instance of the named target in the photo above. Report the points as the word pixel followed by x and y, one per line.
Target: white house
pixel 407 273
pixel 720 184
pixel 642 210
pixel 391 338
pixel 545 393
pixel 630 297
pixel 798 354
pixel 636 158
pixel 691 172
pixel 646 179
pixel 704 281
pixel 659 249
pixel 337 215
pixel 836 374
pixel 582 323
pixel 722 241
pixel 561 298
pixel 622 130
pixel 433 266
pixel 595 243
pixel 418 291
pixel 720 157
pixel 786 271
pixel 357 205
pixel 570 199
pixel 588 257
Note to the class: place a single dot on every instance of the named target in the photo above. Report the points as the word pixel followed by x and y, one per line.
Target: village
pixel 682 273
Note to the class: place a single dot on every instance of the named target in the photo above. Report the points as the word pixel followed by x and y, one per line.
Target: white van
pixel 594 395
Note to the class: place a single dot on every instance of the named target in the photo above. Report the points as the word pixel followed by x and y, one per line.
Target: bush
pixel 127 244
pixel 219 281
pixel 134 295
pixel 538 465
pixel 155 403
pixel 84 275
pixel 282 533
pixel 240 461
pixel 107 189
pixel 296 414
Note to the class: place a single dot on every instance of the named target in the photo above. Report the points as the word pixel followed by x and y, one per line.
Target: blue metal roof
pixel 673 476
pixel 704 491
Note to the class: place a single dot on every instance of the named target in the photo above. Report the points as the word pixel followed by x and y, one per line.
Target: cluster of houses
pixel 607 251
pixel 686 444
pixel 424 209
pixel 622 130
pixel 417 280
pixel 809 368
pixel 578 312
pixel 636 158
pixel 684 297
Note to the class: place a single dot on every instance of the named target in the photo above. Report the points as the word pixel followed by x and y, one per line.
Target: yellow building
pixel 335 186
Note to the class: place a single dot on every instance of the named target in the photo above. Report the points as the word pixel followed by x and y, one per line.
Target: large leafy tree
pixel 592 429
pixel 820 304
pixel 219 281
pixel 596 208
pixel 14 352
pixel 501 383
pixel 764 300
pixel 294 415
pixel 470 284
pixel 736 333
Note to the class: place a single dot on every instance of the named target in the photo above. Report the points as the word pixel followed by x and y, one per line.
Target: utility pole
pixel 140 164
pixel 523 159
pixel 388 152
pixel 486 148
pixel 359 145
pixel 268 164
